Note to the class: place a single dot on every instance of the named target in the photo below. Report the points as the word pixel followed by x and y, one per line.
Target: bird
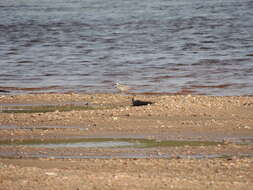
pixel 140 102
pixel 122 88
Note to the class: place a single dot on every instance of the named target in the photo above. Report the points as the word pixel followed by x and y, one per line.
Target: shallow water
pixel 77 142
pixel 38 108
pixel 13 127
pixel 126 156
pixel 194 46
pixel 103 144
pixel 52 148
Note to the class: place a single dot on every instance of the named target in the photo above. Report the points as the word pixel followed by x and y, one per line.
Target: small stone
pixel 51 173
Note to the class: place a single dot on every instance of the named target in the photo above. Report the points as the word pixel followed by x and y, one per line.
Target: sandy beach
pixel 227 121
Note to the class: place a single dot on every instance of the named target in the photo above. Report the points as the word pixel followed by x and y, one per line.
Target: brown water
pixel 194 46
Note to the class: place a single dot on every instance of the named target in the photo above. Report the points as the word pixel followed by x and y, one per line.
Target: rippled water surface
pixel 172 46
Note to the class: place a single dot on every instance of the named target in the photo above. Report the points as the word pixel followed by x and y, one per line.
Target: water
pixel 173 46
pixel 125 156
pixel 13 127
pixel 107 144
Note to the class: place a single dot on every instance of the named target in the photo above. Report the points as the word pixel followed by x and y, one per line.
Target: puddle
pixel 126 156
pixel 210 156
pixel 105 142
pixel 42 108
pixel 43 104
pixel 12 127
pixel 74 143
pixel 139 148
pixel 241 140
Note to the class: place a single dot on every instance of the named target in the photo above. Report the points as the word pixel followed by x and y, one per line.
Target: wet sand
pixel 169 117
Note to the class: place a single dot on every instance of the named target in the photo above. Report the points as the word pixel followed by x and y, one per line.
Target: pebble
pixel 51 173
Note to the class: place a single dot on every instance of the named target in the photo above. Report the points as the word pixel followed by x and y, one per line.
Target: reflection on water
pixel 194 46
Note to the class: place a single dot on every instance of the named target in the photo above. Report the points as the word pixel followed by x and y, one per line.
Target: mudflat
pixel 192 142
